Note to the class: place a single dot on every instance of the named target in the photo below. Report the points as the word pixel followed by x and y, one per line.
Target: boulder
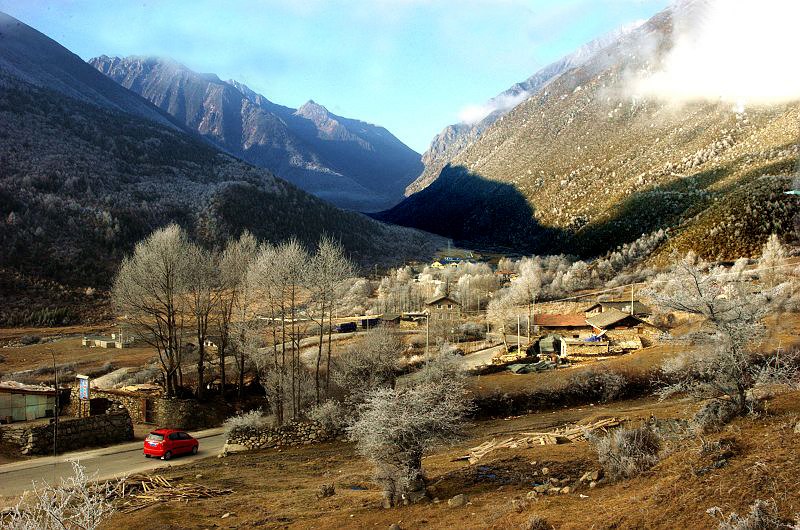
pixel 457 501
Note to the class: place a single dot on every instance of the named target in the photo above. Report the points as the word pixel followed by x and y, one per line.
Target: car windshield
pixel 155 437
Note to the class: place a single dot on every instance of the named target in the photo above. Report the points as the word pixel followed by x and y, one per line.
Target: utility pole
pixel 518 332
pixel 55 414
pixel 632 288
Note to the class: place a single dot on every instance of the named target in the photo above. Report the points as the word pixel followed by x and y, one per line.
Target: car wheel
pixel 167 455
pixel 194 450
pixel 147 456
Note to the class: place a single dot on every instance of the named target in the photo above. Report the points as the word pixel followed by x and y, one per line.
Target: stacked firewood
pixel 140 491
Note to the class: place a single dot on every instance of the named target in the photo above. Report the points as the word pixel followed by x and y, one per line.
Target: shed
pixel 390 320
pixel 615 319
pixel 21 402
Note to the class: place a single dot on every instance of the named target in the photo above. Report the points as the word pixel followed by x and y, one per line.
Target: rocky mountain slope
pixel 457 137
pixel 87 168
pixel 348 162
pixel 584 165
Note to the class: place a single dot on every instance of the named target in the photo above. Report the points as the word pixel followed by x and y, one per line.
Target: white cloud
pixel 737 51
pixel 474 113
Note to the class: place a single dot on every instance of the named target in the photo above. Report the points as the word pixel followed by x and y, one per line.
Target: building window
pixel 449 306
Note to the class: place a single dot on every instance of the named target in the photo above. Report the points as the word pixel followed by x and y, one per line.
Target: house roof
pixel 441 298
pixel 623 305
pixel 577 320
pixel 13 387
pixel 390 316
pixel 609 317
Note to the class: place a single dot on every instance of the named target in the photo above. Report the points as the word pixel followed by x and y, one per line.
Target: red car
pixel 166 443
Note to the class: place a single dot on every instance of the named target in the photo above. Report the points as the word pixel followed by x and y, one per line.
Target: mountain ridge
pixel 348 162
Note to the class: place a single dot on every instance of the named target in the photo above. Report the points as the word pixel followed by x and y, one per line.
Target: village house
pixel 443 307
pixel 639 309
pixel 573 326
pixel 624 331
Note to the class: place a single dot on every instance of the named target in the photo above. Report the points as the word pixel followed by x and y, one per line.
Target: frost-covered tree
pixel 76 503
pixel 771 262
pixel 395 427
pixel 371 363
pixel 723 366
pixel 150 292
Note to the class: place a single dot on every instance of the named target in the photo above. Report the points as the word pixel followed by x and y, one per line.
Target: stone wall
pixel 292 434
pixel 77 433
pixel 165 412
pixel 189 414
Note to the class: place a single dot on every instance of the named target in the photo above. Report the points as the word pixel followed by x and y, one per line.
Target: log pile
pixel 526 440
pixel 140 491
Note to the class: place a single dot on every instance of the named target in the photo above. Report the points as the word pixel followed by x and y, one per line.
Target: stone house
pixel 619 327
pixel 639 309
pixel 443 307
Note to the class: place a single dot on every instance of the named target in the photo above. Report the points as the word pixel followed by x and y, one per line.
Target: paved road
pixel 108 462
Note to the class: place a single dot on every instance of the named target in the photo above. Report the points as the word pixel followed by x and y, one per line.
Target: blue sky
pixel 409 65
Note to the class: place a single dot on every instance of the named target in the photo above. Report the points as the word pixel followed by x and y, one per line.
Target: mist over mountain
pixel 591 161
pixel 88 168
pixel 348 162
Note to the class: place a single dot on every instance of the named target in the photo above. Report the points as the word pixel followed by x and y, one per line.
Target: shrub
pixel 763 515
pixel 253 420
pixel 536 522
pixel 331 415
pixel 713 416
pixel 602 384
pixel 76 502
pixel 27 340
pixel 624 453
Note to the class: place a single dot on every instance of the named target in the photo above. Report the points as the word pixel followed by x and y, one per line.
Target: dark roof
pixel 440 298
pixel 390 316
pixel 611 316
pixel 577 320
pixel 623 305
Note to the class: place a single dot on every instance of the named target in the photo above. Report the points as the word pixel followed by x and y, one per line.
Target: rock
pixel 395 526
pixel 596 475
pixel 554 491
pixel 542 488
pixel 566 490
pixel 198 476
pixel 457 501
pixel 797 428
pixel 531 495
pixel 592 485
pixel 326 490
pixel 226 515
pixel 545 471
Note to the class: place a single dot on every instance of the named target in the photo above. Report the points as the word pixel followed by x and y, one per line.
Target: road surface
pixel 108 462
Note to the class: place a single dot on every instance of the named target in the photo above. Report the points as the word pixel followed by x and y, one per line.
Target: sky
pixel 412 66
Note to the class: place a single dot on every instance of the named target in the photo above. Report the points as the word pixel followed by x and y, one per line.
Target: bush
pixel 27 340
pixel 253 420
pixel 603 385
pixel 536 522
pixel 77 502
pixel 713 416
pixel 763 516
pixel 624 453
pixel 331 415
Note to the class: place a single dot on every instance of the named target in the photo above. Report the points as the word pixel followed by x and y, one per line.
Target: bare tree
pixel 233 266
pixel 395 427
pixel 724 365
pixel 202 281
pixel 328 268
pixel 525 289
pixel 150 290
pixel 76 503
